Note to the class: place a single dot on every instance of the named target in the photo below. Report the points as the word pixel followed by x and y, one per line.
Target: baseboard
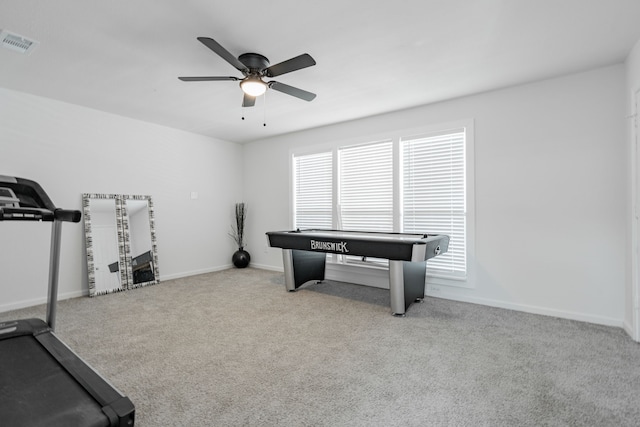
pixel 627 328
pixel 184 274
pixel 16 305
pixel 267 267
pixel 582 317
pixel 635 335
pixel 214 269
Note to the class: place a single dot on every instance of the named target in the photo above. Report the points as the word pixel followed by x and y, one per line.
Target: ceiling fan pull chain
pixel 264 122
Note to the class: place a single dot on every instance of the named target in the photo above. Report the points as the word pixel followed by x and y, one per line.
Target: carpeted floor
pixel 233 348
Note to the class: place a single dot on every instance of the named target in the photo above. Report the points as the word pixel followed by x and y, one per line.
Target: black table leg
pixel 406 284
pixel 301 267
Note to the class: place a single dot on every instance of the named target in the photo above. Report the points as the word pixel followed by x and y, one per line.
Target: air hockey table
pixel 304 257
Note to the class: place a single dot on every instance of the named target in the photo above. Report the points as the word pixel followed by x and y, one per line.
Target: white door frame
pixel 635 185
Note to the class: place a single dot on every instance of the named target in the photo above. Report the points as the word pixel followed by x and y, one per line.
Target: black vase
pixel 241 258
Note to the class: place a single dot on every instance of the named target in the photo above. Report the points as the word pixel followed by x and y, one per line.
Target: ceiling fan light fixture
pixel 253 86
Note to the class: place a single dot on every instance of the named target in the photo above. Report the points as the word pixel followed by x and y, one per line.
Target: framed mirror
pixel 140 241
pixel 120 241
pixel 104 242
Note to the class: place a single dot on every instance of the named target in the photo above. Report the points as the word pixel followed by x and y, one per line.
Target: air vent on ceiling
pixel 16 42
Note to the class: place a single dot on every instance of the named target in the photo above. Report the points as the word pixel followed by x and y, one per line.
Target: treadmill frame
pixel 118 410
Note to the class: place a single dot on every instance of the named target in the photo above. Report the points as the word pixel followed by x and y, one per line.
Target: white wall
pixel 631 320
pixel 550 192
pixel 72 150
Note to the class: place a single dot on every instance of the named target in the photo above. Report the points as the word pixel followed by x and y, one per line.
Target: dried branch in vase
pixel 237 231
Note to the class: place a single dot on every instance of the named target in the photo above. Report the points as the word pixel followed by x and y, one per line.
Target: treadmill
pixel 42 381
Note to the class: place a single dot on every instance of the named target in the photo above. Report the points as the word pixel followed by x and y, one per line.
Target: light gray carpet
pixel 233 348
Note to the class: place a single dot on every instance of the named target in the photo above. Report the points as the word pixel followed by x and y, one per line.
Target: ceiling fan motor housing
pixel 254 62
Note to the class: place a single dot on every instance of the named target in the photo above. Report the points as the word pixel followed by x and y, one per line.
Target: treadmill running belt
pixel 34 383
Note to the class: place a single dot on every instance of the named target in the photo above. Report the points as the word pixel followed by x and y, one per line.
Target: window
pixel 433 193
pixel 415 184
pixel 365 187
pixel 312 178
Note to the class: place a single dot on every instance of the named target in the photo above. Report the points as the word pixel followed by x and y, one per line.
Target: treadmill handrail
pixel 67 215
pixel 35 204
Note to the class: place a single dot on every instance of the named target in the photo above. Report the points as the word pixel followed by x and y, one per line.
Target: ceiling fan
pixel 255 67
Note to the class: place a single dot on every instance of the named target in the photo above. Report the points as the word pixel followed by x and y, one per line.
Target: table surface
pixel 364 235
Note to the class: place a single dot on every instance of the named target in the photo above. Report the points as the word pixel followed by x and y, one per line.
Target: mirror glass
pixel 105 250
pixel 140 243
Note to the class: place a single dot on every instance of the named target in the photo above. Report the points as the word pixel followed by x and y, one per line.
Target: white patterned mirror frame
pixel 134 268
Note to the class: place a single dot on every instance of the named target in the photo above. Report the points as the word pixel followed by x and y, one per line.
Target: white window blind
pixel 366 187
pixel 313 175
pixel 433 194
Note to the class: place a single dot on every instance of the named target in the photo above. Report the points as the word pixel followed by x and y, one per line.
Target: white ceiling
pixel 124 56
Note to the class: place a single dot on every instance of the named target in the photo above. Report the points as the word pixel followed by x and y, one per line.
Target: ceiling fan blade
pixel 222 52
pixel 248 100
pixel 293 91
pixel 207 79
pixel 301 61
